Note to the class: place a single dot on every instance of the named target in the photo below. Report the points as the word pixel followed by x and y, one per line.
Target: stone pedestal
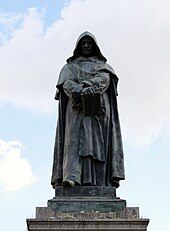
pixel 86 199
pixel 86 208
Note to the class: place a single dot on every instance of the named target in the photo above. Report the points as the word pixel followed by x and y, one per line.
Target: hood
pixel 97 52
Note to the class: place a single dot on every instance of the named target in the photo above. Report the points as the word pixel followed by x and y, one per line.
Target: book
pixel 91 104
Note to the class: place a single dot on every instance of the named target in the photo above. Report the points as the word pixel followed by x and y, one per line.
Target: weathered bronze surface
pixel 88 145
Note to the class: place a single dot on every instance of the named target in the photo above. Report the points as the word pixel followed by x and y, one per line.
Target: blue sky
pixel 36 37
pixel 53 8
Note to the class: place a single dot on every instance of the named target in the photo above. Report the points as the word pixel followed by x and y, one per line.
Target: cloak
pixel 115 159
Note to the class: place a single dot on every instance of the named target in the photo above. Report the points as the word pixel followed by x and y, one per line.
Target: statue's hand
pixel 75 94
pixel 86 83
pixel 87 90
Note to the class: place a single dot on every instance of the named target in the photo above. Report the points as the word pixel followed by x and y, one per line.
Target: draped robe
pixel 88 148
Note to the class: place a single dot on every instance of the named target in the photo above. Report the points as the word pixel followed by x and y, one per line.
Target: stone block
pixel 86 199
pixel 49 220
pixel 85 191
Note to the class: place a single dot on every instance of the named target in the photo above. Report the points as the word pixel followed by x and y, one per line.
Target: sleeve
pixel 70 84
pixel 99 83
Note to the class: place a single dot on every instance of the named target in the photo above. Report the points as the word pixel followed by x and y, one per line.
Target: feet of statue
pixel 115 183
pixel 57 184
pixel 68 183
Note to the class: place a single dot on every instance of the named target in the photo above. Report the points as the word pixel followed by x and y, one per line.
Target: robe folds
pixel 88 147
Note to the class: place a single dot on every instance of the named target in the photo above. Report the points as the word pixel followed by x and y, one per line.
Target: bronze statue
pixel 88 144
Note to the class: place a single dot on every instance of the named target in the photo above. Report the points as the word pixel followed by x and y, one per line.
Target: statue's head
pixel 87 46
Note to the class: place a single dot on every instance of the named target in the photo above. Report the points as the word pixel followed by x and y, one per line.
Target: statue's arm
pixel 70 87
pixel 98 84
pixel 70 83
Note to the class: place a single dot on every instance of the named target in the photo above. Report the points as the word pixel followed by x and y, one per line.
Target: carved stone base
pixel 48 220
pixel 87 208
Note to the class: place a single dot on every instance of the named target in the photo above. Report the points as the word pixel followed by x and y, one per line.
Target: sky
pixel 36 37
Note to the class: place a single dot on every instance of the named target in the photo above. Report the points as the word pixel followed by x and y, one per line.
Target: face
pixel 86 46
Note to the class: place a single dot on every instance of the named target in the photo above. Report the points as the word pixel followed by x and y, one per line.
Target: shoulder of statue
pixel 62 75
pixel 110 69
pixel 103 66
pixel 64 68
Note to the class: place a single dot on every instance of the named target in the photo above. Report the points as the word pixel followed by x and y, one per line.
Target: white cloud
pixel 15 170
pixel 9 18
pixel 133 35
pixel 8 23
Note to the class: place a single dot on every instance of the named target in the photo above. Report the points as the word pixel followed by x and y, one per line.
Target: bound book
pixel 91 104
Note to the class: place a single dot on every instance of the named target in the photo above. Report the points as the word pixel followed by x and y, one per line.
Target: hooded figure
pixel 88 144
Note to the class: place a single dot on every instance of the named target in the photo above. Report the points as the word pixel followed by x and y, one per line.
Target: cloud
pixel 8 23
pixel 27 76
pixel 133 35
pixel 15 170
